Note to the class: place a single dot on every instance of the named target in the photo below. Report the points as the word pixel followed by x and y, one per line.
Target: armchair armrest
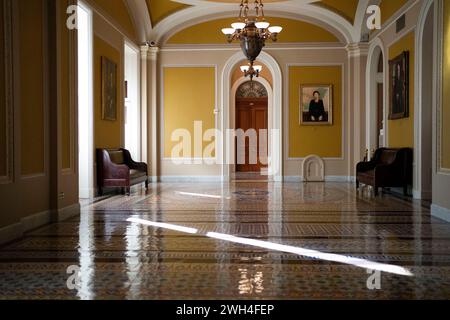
pixel 116 171
pixel 141 166
pixel 110 170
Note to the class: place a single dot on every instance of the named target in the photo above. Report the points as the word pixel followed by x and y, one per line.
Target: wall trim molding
pixel 162 128
pixel 440 212
pixel 9 95
pixel 287 156
pixel 234 47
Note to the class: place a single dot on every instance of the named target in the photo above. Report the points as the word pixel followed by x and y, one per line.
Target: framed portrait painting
pixel 316 105
pixel 109 90
pixel 399 87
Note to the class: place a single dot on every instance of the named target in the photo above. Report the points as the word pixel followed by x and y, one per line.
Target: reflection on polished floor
pixel 237 240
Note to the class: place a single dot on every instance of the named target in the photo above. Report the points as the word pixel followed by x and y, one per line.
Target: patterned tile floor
pixel 235 241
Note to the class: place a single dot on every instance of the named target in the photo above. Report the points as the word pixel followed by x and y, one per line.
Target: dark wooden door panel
pixel 252 114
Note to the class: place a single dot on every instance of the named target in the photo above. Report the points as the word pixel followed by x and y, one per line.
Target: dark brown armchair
pixel 389 168
pixel 116 169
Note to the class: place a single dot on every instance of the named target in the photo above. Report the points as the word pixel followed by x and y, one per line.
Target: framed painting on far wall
pixel 109 90
pixel 399 87
pixel 316 105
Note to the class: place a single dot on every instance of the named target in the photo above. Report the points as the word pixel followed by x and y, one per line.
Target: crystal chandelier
pixel 252 31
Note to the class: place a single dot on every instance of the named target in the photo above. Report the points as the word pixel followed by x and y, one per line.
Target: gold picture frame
pixel 399 87
pixel 315 112
pixel 109 89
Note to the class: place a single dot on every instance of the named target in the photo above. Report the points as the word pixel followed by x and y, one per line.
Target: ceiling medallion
pixel 252 31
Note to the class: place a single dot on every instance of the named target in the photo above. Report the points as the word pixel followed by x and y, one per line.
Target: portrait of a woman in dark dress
pixel 316 105
pixel 317 108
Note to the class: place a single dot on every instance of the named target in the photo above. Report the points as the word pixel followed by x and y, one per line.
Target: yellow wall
pixel 64 82
pixel 31 79
pixel 3 144
pixel 160 9
pixel 293 31
pixel 324 141
pixel 346 8
pixel 401 132
pixel 119 12
pixel 446 89
pixel 107 133
pixel 390 7
pixel 189 95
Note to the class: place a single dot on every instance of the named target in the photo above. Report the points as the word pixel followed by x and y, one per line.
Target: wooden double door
pixel 252 113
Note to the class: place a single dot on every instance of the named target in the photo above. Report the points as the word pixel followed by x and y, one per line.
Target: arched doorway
pixel 423 174
pixel 275 123
pixel 376 88
pixel 251 120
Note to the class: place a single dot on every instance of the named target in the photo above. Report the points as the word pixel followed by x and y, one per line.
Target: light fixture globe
pixel 238 25
pixel 262 25
pixel 228 31
pixel 275 29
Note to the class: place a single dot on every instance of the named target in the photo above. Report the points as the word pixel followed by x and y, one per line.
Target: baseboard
pixel 339 179
pixel 327 179
pixel 11 233
pixel 35 221
pixel 440 212
pixel 17 230
pixel 425 195
pixel 175 179
pixel 68 212
pixel 186 179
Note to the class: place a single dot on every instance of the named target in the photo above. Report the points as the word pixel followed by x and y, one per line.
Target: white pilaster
pixel 357 61
pixel 153 154
pixel 144 103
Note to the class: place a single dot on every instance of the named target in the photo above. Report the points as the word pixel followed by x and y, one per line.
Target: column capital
pixel 153 53
pixel 357 49
pixel 144 51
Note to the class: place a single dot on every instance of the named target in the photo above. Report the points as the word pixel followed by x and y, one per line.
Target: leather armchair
pixel 389 168
pixel 117 169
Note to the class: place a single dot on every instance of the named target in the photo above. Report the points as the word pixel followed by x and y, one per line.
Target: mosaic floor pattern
pixel 258 240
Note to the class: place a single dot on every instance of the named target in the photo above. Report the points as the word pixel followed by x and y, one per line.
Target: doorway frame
pixel 137 79
pixel 275 112
pixel 376 48
pixel 234 90
pixel 90 121
pixel 418 193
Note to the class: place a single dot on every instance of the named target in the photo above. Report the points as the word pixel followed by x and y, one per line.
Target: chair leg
pixel 146 184
pixel 357 184
pixel 100 191
pixel 128 191
pixel 375 189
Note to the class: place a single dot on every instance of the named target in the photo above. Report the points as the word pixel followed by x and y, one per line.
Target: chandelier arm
pixel 261 5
